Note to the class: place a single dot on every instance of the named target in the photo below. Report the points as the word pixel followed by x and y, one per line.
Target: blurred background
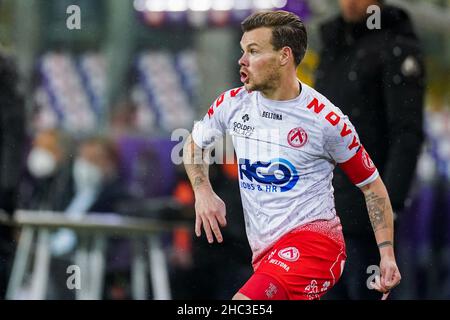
pixel 99 105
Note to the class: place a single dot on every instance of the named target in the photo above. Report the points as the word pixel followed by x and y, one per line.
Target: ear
pixel 285 55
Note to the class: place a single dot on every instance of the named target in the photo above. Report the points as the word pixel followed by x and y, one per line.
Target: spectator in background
pixel 376 77
pixel 48 184
pixel 12 134
pixel 97 188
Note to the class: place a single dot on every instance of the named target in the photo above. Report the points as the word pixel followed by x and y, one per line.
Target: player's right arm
pixel 209 208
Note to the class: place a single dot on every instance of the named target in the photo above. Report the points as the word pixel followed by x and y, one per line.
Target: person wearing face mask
pixel 48 182
pixel 12 134
pixel 96 188
pixel 41 162
pixel 92 171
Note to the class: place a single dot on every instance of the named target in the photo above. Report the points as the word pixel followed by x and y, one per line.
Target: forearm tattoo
pixel 376 207
pixel 196 169
pixel 197 182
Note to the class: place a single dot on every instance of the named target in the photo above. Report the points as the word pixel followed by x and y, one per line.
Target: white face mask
pixel 41 163
pixel 86 175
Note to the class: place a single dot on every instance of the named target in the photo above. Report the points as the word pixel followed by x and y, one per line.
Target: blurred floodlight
pixel 155 5
pixel 177 5
pixel 263 4
pixel 223 5
pixel 279 3
pixel 243 4
pixel 205 5
pixel 200 5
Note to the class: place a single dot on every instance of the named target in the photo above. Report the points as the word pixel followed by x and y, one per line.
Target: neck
pixel 287 88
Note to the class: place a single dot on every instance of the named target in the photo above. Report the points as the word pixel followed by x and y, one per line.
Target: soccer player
pixel 288 139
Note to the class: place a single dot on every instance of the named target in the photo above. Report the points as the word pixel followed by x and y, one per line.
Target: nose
pixel 243 61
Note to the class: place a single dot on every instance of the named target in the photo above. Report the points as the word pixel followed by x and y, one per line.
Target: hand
pixel 390 275
pixel 210 212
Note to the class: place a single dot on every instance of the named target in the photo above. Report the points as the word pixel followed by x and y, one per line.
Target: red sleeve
pixel 360 169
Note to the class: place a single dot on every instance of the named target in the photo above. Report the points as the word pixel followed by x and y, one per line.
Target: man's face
pixel 260 68
pixel 49 142
pixel 355 10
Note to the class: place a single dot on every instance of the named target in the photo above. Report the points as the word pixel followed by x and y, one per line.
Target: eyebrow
pixel 250 44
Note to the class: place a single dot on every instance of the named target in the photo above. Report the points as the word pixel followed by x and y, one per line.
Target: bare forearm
pixel 196 168
pixel 380 214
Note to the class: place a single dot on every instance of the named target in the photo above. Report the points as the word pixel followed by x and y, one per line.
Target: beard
pixel 268 83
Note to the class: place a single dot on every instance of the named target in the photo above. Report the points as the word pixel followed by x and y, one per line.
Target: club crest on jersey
pixel 278 173
pixel 290 254
pixel 367 162
pixel 297 137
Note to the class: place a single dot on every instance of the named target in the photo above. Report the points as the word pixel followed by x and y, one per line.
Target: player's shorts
pixel 302 265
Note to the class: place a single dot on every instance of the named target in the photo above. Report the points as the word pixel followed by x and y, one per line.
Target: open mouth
pixel 244 77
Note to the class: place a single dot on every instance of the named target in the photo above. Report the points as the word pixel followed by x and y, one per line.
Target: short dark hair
pixel 287 30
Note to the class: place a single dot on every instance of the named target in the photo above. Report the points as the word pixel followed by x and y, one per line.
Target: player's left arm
pixel 381 217
pixel 363 173
pixel 344 147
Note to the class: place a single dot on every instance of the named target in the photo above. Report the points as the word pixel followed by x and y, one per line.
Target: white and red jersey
pixel 287 151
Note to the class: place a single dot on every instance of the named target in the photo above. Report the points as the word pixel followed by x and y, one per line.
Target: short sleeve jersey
pixel 287 151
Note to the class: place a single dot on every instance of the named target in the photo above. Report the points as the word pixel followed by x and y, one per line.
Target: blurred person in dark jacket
pixel 376 77
pixel 48 182
pixel 12 134
pixel 97 188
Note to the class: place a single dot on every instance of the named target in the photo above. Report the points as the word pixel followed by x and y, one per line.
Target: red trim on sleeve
pixel 359 168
